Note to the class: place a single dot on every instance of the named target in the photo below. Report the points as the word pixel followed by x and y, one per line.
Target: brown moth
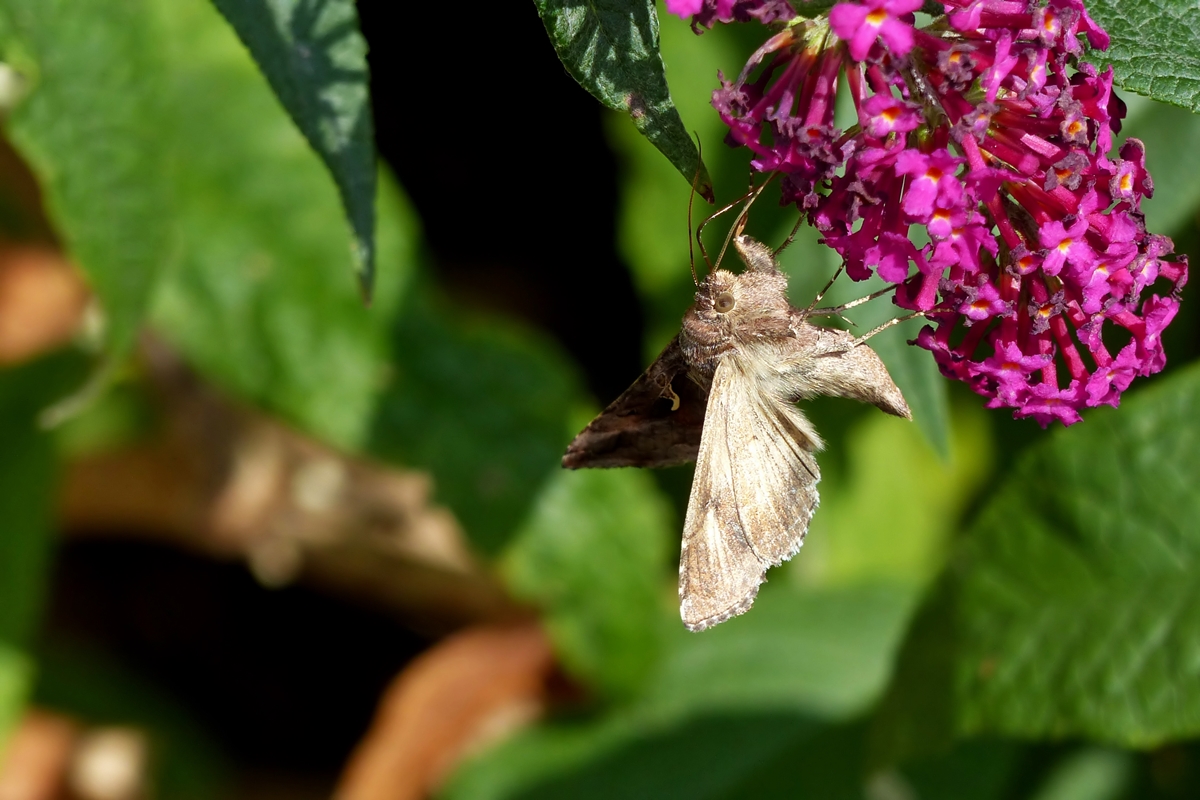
pixel 723 393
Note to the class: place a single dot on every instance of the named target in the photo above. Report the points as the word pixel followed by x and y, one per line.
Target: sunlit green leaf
pixel 315 58
pixel 1153 49
pixel 92 78
pixel 1078 606
pixel 593 554
pixel 260 300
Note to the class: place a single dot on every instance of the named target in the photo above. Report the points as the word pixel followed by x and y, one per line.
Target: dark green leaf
pixel 27 494
pixel 1153 49
pixel 87 128
pixel 1078 607
pixel 723 709
pixel 916 718
pixel 316 61
pixel 260 304
pixel 483 405
pixel 594 555
pixel 702 758
pixel 611 47
pixel 260 300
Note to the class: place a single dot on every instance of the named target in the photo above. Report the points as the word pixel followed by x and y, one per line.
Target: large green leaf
pixel 725 712
pixel 764 755
pixel 27 492
pixel 95 91
pixel 611 47
pixel 1153 49
pixel 260 301
pixel 483 404
pixel 316 61
pixel 260 304
pixel 1078 607
pixel 593 555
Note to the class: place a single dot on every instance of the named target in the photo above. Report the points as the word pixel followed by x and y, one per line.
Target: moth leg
pixel 885 326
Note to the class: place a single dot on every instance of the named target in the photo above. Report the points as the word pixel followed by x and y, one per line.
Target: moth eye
pixel 723 303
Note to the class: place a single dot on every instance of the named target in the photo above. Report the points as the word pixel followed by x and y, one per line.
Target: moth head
pixel 718 295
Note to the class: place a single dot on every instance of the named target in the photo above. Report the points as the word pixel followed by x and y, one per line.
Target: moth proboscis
pixel 723 394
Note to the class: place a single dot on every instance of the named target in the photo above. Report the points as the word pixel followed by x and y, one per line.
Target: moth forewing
pixel 753 494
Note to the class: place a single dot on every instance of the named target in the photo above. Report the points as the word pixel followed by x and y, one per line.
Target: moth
pixel 723 394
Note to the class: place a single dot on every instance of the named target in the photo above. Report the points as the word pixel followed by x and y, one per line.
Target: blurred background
pixel 285 545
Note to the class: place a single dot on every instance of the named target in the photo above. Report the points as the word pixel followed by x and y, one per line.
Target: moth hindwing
pixel 723 393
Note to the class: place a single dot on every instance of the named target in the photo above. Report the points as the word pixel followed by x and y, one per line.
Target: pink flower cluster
pixel 983 137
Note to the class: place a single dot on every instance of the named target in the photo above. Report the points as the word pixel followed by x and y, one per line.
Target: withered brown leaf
pixel 723 393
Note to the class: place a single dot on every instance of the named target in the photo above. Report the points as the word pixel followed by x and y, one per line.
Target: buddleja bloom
pixel 983 132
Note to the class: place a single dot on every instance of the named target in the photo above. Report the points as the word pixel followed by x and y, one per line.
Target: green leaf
pixel 593 555
pixel 28 469
pixel 316 61
pixel 1078 606
pixel 880 522
pixel 1172 139
pixel 703 758
pixel 16 679
pixel 87 129
pixel 825 653
pixel 726 712
pixel 260 304
pixel 611 47
pixel 481 403
pixel 1153 48
pixel 260 300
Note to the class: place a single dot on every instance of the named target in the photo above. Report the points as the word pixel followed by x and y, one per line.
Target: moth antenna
pixel 739 224
pixel 710 218
pixel 691 198
pixel 885 326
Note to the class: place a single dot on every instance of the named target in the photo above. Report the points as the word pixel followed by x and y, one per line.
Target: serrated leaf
pixel 1153 47
pixel 1078 607
pixel 315 59
pixel 592 555
pixel 93 86
pixel 612 48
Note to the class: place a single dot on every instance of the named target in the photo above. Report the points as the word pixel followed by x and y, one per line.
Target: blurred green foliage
pixel 964 596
